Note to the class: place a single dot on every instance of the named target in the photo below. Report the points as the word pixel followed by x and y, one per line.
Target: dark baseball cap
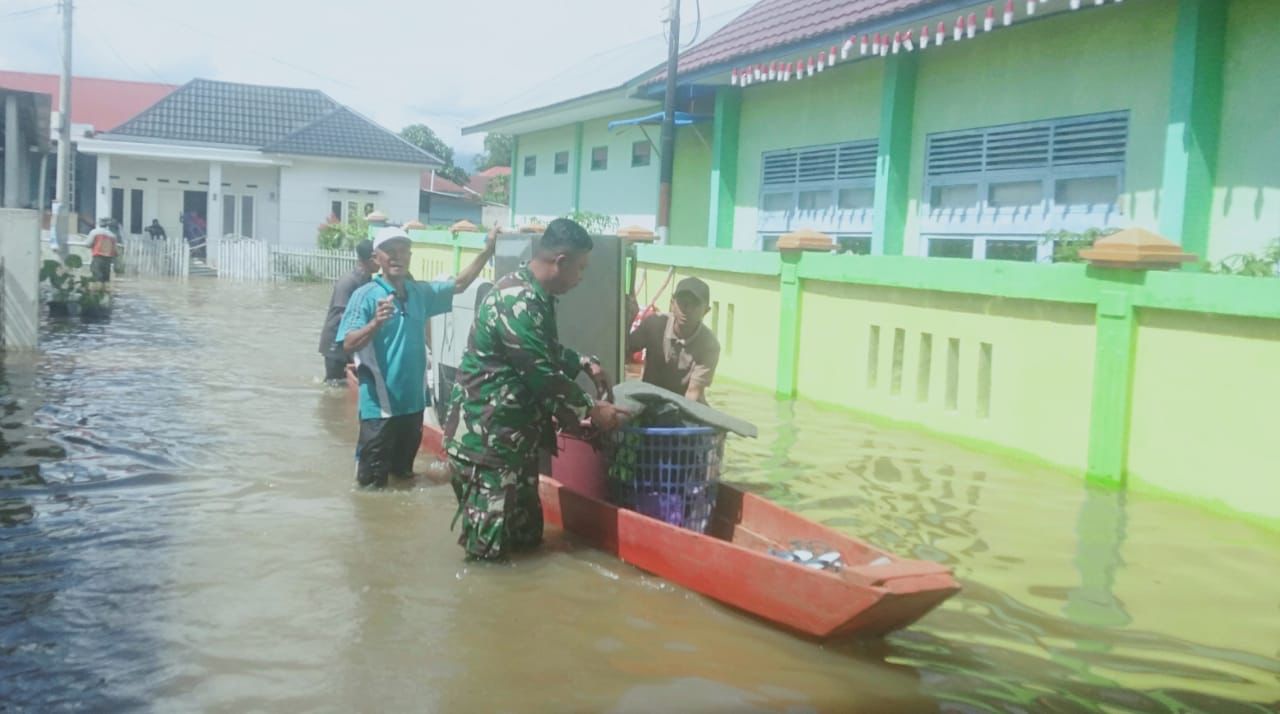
pixel 364 250
pixel 696 288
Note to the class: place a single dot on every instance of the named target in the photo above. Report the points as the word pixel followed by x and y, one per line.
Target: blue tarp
pixel 682 119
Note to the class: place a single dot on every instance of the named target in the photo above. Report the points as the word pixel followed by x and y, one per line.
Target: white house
pixel 272 163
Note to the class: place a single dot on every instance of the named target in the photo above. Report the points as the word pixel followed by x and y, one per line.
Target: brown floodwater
pixel 179 532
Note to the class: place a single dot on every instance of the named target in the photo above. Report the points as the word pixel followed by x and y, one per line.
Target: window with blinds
pixel 1002 187
pixel 829 188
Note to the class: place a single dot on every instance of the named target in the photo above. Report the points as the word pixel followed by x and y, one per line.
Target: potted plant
pixel 95 300
pixel 63 284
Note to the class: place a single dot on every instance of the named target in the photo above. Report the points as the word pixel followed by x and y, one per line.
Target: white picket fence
pixel 249 259
pixel 165 258
pixel 311 264
pixel 242 259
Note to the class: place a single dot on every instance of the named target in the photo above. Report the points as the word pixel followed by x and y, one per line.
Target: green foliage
pixel 1254 265
pixel 1067 244
pixel 498 190
pixel 497 151
pixel 421 136
pixel 595 223
pixel 336 235
pixel 63 284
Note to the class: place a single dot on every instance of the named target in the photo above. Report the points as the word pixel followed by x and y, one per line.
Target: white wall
pixel 172 178
pixel 20 247
pixel 306 195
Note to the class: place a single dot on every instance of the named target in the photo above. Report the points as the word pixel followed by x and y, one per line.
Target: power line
pixel 30 11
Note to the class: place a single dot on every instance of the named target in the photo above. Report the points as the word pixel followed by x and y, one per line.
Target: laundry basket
pixel 668 473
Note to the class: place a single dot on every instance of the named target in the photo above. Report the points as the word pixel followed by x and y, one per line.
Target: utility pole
pixel 62 195
pixel 668 141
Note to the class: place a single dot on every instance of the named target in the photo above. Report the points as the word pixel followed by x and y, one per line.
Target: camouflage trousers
pixel 499 509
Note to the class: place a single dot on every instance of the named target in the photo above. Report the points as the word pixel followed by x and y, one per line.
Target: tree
pixel 421 136
pixel 497 151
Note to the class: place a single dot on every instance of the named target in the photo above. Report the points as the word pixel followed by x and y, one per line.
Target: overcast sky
pixel 446 64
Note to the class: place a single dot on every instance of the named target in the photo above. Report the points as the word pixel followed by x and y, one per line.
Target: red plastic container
pixel 579 467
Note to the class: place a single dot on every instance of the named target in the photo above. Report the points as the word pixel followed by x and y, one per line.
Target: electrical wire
pixel 697 28
pixel 30 11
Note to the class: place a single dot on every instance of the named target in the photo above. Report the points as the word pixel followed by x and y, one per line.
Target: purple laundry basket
pixel 667 473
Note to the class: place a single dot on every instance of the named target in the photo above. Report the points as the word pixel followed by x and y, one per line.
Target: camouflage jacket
pixel 514 379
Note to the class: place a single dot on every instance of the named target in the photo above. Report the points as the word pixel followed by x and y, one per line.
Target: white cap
pixel 390 233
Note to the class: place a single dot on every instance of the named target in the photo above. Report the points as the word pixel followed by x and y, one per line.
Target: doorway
pixel 194 210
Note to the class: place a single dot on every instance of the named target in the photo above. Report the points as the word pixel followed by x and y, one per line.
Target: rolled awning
pixel 681 119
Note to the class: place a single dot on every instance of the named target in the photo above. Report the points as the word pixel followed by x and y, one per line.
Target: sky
pixel 445 64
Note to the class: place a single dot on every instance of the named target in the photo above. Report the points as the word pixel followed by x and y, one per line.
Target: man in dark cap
pixel 680 353
pixel 335 359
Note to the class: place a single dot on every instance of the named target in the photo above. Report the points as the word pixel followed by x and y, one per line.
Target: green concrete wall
pixel 690 186
pixel 890 352
pixel 629 194
pixel 545 194
pixel 1070 64
pixel 1016 361
pixel 1205 390
pixel 841 104
pixel 1246 203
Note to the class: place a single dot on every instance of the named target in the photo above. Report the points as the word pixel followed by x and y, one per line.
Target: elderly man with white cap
pixel 384 327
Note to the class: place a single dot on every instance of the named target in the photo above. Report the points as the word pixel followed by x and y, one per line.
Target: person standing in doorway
pixel 384 328
pixel 335 358
pixel 515 386
pixel 102 246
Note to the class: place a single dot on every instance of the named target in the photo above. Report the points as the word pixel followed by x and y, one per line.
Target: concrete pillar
pixel 102 189
pixel 13 144
pixel 213 205
pixel 724 167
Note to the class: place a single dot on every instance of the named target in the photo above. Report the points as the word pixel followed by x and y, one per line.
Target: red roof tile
pixel 444 185
pixel 778 23
pixel 103 103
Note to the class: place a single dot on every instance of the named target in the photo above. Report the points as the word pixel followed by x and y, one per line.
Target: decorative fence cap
pixel 1136 249
pixel 464 226
pixel 637 234
pixel 414 226
pixel 806 239
pixel 376 218
pixel 533 227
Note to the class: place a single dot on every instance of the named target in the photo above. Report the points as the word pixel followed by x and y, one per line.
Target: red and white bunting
pixel 885 43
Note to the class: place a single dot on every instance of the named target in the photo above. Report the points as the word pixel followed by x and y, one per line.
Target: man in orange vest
pixel 103 244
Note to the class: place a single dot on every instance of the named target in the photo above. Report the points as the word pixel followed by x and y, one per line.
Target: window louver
pixel 841 162
pixel 1098 139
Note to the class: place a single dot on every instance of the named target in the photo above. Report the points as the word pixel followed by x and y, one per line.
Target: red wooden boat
pixel 731 562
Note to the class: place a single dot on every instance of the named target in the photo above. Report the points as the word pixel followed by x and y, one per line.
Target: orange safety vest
pixel 104 244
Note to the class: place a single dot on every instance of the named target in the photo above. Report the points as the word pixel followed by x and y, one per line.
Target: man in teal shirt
pixel 384 328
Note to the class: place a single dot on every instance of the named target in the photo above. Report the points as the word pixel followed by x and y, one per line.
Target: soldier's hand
pixel 386 310
pixel 608 417
pixel 600 378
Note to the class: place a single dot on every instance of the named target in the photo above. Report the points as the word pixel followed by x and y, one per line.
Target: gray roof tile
pixel 344 134
pixel 276 119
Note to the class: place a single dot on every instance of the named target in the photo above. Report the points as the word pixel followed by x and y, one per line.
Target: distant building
pixel 444 202
pixel 272 163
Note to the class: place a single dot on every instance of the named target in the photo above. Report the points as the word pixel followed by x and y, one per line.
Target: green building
pixel 1150 113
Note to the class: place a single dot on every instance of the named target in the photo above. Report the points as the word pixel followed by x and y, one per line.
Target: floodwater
pixel 180 533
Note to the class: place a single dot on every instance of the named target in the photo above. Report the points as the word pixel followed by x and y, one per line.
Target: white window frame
pixel 983 222
pixel 851 167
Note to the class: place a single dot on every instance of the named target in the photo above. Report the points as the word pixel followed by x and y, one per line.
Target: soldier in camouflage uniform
pixel 515 386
